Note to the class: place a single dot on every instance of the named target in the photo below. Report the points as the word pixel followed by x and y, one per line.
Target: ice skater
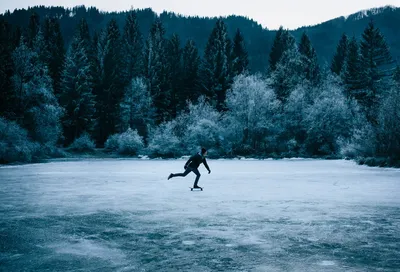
pixel 191 166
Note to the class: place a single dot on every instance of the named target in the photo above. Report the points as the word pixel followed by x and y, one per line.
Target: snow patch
pixel 327 263
pixel 188 243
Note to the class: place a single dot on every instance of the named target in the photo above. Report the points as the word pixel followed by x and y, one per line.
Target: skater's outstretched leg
pixel 184 174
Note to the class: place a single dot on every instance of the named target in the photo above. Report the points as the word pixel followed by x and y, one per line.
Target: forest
pixel 130 86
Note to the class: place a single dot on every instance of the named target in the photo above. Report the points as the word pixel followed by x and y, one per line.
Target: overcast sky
pixel 270 13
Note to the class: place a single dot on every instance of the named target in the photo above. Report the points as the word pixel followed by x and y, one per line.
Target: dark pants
pixel 187 171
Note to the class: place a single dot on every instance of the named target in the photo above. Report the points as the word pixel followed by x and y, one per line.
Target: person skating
pixel 191 166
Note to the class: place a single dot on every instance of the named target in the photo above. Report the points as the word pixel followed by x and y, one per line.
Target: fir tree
pixel 132 47
pixel 76 96
pixel 351 74
pixel 33 28
pixel 174 66
pixel 312 71
pixel 339 58
pixel 110 90
pixel 155 71
pixel 55 47
pixel 215 74
pixel 240 57
pixel 190 74
pixel 7 102
pixel 375 62
pixel 283 41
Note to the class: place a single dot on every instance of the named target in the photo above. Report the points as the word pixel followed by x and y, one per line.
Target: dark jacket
pixel 195 161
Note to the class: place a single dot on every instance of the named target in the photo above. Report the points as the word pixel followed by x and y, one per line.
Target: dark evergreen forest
pixel 163 85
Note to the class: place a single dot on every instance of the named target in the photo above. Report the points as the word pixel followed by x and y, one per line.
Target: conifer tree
pixel 339 58
pixel 109 90
pixel 55 47
pixel 77 91
pixel 155 71
pixel 7 102
pixel 190 75
pixel 215 72
pixel 375 62
pixel 132 47
pixel 240 58
pixel 351 74
pixel 174 71
pixel 312 71
pixel 33 28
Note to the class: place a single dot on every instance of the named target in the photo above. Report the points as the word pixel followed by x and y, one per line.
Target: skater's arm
pixel 206 165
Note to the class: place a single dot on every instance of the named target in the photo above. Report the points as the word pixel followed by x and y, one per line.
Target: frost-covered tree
pixel 132 47
pixel 199 126
pixel 253 114
pixel 190 75
pixel 155 66
pixel 338 61
pixel 137 110
pixel 164 142
pixel 38 110
pixel 388 128
pixel 77 92
pixel 326 120
pixel 240 58
pixel 215 68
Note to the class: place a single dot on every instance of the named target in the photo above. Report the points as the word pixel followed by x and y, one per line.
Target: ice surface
pixel 268 215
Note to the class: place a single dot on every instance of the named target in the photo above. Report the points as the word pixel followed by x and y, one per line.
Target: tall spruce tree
pixel 33 28
pixel 174 72
pixel 76 95
pixel 375 62
pixel 283 41
pixel 339 58
pixel 55 47
pixel 215 72
pixel 240 58
pixel 109 92
pixel 312 70
pixel 7 102
pixel 132 48
pixel 155 67
pixel 190 74
pixel 351 74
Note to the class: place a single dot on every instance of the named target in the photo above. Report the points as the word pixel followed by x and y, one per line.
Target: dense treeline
pixel 158 95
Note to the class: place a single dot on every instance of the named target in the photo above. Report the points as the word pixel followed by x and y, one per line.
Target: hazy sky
pixel 269 13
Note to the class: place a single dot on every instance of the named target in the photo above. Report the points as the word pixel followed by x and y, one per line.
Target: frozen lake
pixel 124 215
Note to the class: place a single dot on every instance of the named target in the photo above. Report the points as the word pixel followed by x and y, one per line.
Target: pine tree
pixel 33 28
pixel 312 70
pixel 351 74
pixel 215 72
pixel 240 56
pixel 109 92
pixel 132 48
pixel 339 58
pixel 76 96
pixel 55 47
pixel 283 41
pixel 155 71
pixel 174 66
pixel 276 50
pixel 7 102
pixel 190 75
pixel 375 62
